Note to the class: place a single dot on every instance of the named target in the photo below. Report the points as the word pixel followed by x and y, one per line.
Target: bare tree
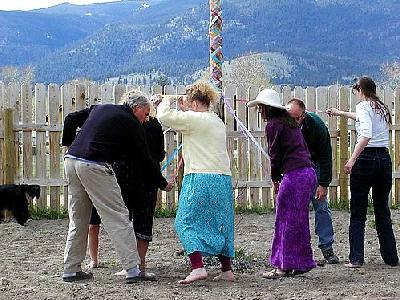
pixel 245 71
pixel 391 72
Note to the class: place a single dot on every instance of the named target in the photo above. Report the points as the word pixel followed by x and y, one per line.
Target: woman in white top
pixel 204 221
pixel 370 166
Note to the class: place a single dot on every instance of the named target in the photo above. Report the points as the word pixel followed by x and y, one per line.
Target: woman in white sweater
pixel 204 221
pixel 370 166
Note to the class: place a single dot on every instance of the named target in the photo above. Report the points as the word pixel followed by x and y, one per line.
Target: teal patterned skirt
pixel 205 217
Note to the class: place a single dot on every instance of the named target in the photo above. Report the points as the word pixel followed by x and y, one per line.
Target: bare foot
pixel 195 275
pixel 92 265
pixel 225 276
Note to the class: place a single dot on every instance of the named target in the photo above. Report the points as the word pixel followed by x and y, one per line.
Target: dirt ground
pixel 31 260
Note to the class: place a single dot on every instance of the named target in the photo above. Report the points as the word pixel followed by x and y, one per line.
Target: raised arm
pixel 177 120
pixel 335 112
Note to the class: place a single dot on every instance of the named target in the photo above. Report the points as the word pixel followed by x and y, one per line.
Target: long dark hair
pixel 367 87
pixel 271 112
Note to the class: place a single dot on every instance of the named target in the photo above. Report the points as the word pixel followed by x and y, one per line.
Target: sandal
pixel 275 274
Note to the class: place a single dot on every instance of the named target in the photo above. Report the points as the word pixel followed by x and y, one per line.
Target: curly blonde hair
pixel 202 92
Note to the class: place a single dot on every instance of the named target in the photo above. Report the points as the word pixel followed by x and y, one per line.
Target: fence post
pixel 9 157
pixel 344 145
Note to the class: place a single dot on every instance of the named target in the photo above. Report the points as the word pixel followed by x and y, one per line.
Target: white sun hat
pixel 267 97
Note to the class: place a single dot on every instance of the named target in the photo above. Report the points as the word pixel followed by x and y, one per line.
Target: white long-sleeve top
pixel 371 125
pixel 203 138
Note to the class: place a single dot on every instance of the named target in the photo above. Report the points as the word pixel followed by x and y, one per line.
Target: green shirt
pixel 318 142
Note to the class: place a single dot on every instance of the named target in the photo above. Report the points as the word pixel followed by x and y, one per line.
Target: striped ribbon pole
pixel 216 56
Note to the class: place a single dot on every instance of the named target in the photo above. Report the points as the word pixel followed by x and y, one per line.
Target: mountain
pixel 324 40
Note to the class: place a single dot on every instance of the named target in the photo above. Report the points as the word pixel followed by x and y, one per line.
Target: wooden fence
pixel 31 122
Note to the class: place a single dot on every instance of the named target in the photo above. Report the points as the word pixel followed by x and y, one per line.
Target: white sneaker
pixel 121 273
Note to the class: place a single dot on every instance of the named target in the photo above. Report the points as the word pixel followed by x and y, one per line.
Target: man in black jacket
pixel 317 137
pixel 108 133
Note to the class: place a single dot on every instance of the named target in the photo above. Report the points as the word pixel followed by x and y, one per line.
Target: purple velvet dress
pixel 292 167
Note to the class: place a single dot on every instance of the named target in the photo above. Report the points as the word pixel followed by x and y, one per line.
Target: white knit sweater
pixel 204 139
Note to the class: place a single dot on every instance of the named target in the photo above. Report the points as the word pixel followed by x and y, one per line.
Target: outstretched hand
pixel 331 112
pixel 156 100
pixel 321 193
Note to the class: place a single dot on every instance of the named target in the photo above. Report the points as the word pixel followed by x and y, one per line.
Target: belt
pixel 87 160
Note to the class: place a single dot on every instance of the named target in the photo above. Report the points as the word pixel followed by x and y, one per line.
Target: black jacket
pixel 110 133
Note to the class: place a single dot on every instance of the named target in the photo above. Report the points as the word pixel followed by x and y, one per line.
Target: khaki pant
pixel 93 184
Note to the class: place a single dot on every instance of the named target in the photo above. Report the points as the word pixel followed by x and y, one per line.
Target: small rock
pixel 4 281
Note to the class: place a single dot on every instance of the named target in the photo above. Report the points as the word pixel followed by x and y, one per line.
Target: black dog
pixel 16 198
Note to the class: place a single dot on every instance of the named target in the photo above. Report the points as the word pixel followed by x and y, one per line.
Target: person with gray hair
pixel 139 195
pixel 108 133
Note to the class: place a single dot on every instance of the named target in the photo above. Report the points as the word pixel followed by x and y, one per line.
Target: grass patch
pixel 395 206
pixel 260 210
pixel 371 224
pixel 47 213
pixel 342 205
pixel 165 213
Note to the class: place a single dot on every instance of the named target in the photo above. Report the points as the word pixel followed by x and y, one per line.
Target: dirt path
pixel 31 266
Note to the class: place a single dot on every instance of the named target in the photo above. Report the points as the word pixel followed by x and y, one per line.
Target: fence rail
pixel 31 122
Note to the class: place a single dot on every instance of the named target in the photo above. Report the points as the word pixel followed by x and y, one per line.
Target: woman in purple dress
pixel 294 181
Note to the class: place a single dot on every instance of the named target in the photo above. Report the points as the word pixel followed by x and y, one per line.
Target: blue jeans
pixel 323 220
pixel 373 169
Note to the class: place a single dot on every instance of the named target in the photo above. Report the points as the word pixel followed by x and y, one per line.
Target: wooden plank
pixel 286 94
pixel 80 96
pixel 54 101
pixel 242 149
pixel 67 99
pixel 175 140
pixel 146 90
pixel 329 96
pixel 254 153
pixel 310 98
pixel 344 144
pixel 37 127
pixel 119 90
pixel 27 153
pixel 106 92
pixel 396 163
pixel 170 145
pixel 353 134
pixel 93 94
pixel 387 95
pixel 267 198
pixel 41 159
pixel 181 89
pixel 299 93
pixel 230 127
pixel 47 182
pixel 9 158
pixel 169 90
pixel 12 99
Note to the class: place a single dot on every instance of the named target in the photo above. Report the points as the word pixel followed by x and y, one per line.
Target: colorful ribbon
pixel 243 128
pixel 171 158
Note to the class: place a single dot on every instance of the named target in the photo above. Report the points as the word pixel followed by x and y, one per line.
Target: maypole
pixel 216 56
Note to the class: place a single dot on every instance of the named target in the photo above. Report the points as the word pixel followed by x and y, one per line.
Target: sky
pixel 33 4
